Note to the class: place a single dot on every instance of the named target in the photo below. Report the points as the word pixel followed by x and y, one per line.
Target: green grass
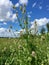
pixel 18 52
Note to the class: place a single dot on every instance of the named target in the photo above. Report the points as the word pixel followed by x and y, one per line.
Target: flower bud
pixel 17 14
pixel 43 37
pixel 33 54
pixel 21 8
pixel 14 7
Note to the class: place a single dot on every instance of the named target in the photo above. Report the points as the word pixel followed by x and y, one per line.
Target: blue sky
pixel 36 9
pixel 39 8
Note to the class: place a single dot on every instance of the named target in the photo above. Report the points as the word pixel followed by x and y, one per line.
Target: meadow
pixel 16 51
pixel 17 17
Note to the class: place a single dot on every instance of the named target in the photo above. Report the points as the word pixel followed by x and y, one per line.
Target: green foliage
pixel 18 52
pixel 26 50
pixel 47 25
pixel 42 30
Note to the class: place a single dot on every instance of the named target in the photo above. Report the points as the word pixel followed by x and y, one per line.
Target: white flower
pixel 42 37
pixel 33 54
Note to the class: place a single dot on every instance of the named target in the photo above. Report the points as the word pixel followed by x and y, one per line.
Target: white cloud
pixel 29 12
pixel 8 15
pixel 4 23
pixel 40 22
pixel 34 4
pixel 23 1
pixel 17 5
pixel 40 7
pixel 13 18
pixel 5 9
pixel 6 12
pixel 2 29
pixel 29 15
pixel 5 33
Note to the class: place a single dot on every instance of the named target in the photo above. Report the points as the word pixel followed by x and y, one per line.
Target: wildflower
pixel 21 32
pixel 19 46
pixel 5 48
pixel 33 54
pixel 42 37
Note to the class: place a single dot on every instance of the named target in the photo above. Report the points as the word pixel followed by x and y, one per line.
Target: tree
pixel 47 25
pixel 42 30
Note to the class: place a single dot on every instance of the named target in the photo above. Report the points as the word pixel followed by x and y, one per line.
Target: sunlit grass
pixel 18 52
